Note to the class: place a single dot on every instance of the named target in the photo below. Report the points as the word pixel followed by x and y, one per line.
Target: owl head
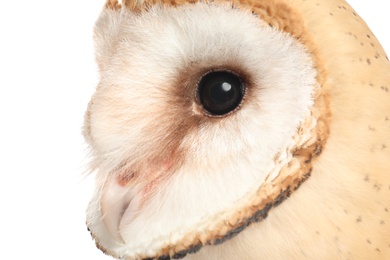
pixel 207 115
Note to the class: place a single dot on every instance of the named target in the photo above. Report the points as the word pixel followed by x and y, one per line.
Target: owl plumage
pixel 294 164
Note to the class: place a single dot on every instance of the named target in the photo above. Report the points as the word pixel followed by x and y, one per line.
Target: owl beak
pixel 125 193
pixel 116 199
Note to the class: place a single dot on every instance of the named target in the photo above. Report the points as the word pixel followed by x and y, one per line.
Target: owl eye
pixel 220 92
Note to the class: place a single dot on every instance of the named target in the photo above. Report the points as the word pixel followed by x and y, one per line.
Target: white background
pixel 47 74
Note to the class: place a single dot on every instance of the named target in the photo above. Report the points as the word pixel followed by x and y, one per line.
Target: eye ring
pixel 220 92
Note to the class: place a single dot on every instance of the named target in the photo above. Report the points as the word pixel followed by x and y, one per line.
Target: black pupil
pixel 220 92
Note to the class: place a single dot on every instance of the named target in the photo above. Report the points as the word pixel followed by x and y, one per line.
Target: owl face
pixel 198 113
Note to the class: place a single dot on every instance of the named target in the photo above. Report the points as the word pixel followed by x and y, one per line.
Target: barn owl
pixel 252 129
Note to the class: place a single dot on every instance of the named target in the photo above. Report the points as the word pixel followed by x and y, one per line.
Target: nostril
pixel 125 177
